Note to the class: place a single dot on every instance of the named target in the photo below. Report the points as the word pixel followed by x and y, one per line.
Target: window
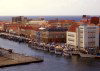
pixel 70 39
pixel 71 35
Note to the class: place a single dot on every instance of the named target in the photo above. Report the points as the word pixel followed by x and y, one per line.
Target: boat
pixel 97 55
pixel 58 50
pixel 52 49
pixel 46 47
pixel 65 52
pixel 87 55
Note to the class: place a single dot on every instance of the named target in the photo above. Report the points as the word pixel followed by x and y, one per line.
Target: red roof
pixel 73 27
pixel 29 28
pixel 60 21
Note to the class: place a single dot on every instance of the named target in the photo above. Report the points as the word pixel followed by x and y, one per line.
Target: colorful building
pixel 71 36
pixel 54 34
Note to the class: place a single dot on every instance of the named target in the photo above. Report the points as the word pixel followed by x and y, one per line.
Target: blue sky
pixel 49 7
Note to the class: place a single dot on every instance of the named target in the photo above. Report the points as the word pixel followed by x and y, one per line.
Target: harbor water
pixel 51 62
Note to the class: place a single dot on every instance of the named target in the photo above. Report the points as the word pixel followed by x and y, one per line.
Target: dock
pixel 13 59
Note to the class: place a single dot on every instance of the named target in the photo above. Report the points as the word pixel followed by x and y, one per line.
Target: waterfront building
pixel 12 28
pixel 88 36
pixel 71 36
pixel 83 36
pixel 29 31
pixel 54 34
pixel 2 25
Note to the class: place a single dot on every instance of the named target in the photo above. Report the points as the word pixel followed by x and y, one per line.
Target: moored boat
pixel 65 52
pixel 87 55
pixel 58 50
pixel 52 49
pixel 98 55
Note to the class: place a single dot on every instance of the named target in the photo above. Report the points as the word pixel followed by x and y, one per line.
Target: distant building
pixel 40 22
pixel 38 19
pixel 62 23
pixel 85 19
pixel 19 19
pixel 94 20
pixel 84 16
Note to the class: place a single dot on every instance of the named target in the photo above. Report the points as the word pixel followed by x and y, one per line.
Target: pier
pixel 8 58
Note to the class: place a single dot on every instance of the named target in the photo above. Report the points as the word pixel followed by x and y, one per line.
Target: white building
pixel 83 36
pixel 88 36
pixel 71 38
pixel 37 22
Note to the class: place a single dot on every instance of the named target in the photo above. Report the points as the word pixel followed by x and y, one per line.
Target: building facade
pixel 19 19
pixel 71 39
pixel 71 36
pixel 88 36
pixel 56 35
pixel 83 37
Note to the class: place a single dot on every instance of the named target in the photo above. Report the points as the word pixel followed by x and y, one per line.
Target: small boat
pixel 87 55
pixel 58 50
pixel 65 52
pixel 46 47
pixel 52 49
pixel 97 55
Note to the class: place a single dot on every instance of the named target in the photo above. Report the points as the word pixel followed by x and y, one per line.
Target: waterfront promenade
pixel 59 49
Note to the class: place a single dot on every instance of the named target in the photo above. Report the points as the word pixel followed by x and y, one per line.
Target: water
pixel 51 62
pixel 77 18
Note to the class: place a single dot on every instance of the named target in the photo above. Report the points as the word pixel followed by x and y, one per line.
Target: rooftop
pixel 73 27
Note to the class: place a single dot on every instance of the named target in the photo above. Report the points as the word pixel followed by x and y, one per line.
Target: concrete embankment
pixel 15 38
pixel 12 59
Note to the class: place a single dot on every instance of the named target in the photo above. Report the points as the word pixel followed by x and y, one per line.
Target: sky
pixel 49 7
